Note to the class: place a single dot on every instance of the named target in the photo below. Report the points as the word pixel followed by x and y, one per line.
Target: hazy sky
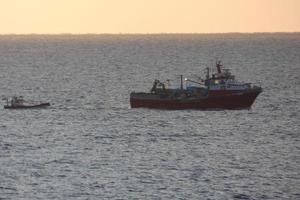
pixel 148 16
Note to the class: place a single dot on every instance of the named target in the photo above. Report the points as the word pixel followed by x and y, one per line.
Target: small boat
pixel 218 91
pixel 19 103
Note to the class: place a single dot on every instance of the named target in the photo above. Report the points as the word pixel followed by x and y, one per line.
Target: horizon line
pixel 154 33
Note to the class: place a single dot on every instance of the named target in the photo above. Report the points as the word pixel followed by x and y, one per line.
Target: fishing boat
pixel 220 90
pixel 19 103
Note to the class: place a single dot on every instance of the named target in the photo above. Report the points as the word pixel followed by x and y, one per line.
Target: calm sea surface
pixel 91 145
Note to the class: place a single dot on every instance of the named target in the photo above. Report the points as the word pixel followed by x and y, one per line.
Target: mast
pixel 219 65
pixel 207 82
pixel 207 73
pixel 181 82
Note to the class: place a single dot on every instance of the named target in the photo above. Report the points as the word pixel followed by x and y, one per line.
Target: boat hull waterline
pixel 42 105
pixel 242 100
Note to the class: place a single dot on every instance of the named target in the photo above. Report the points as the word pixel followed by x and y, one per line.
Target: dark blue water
pixel 91 145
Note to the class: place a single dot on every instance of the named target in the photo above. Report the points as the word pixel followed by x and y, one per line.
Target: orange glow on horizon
pixel 148 16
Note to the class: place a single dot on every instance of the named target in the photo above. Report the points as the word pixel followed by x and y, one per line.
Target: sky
pixel 148 16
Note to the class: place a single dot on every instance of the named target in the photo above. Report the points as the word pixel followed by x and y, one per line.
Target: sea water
pixel 91 145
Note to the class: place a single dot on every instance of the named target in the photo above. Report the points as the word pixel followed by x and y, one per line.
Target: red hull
pixel 232 101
